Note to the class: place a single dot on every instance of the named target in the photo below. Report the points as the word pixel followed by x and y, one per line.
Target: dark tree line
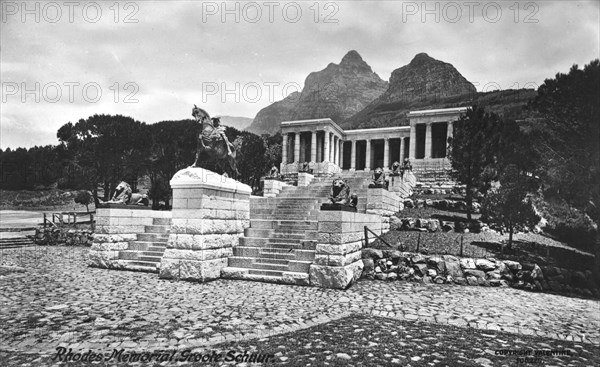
pixel 555 154
pixel 97 153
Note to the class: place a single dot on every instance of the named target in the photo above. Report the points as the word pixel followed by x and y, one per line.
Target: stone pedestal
pixel 338 261
pixel 272 187
pixel 210 213
pixel 304 178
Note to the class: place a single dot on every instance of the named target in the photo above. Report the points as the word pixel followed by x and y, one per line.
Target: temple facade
pixel 327 148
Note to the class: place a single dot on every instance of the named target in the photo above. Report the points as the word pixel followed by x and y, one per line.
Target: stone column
pixel 341 159
pixel 386 154
pixel 284 148
pixel 368 156
pixel 297 148
pixel 353 156
pixel 313 147
pixel 210 213
pixel 412 153
pixel 401 152
pixel 326 146
pixel 428 144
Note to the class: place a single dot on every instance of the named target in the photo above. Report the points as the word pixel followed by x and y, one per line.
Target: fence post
pixel 461 245
pixel 93 224
pixel 366 237
pixel 44 220
pixel 74 219
pixel 418 242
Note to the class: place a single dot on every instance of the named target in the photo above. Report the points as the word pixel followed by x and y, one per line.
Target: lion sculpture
pixel 124 195
pixel 213 143
pixel 340 194
pixel 378 180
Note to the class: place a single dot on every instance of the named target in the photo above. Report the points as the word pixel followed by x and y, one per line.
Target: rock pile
pixel 443 204
pixel 435 225
pixel 53 236
pixel 392 265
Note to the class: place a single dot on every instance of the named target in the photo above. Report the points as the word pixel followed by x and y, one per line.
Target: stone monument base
pixel 210 213
pixel 338 207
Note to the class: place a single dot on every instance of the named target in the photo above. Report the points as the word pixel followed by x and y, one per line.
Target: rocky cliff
pixel 424 83
pixel 338 92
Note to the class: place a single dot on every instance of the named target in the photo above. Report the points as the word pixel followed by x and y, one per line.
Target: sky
pixel 153 60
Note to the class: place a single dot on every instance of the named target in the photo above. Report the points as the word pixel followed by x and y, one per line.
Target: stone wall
pixel 115 228
pixel 57 236
pixel 383 203
pixel 210 213
pixel 393 265
pixel 403 185
pixel 338 261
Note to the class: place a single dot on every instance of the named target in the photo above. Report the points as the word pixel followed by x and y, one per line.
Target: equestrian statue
pixel 213 143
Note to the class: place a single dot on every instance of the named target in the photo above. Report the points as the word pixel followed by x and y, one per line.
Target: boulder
pixel 513 265
pixel 378 270
pixel 392 276
pixel 408 203
pixel 419 203
pixel 485 265
pixel 460 281
pixel 493 275
pixel 471 280
pixel 453 269
pixel 372 253
pixel 536 273
pixel 418 259
pixel 420 269
pixel 432 273
pixel 408 223
pixel 474 273
pixel 429 203
pixel 437 263
pixel 422 223
pixel 467 263
pixel 439 280
pixel 368 266
pixel 392 254
pixel 381 276
pixel 447 226
pixel 434 225
pixel 395 223
pixel 427 279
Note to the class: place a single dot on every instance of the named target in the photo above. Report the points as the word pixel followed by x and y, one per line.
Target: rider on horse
pixel 211 129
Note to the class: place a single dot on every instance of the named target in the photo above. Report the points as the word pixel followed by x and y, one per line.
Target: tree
pixel 105 150
pixel 84 197
pixel 473 151
pixel 510 204
pixel 568 108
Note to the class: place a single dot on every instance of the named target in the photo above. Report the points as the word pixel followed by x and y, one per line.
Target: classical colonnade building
pixel 329 149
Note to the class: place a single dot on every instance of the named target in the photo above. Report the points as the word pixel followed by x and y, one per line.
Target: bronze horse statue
pixel 213 144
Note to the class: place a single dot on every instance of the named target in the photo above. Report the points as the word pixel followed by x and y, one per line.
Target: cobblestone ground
pixel 59 301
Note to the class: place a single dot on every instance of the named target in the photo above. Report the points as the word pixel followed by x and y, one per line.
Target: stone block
pixel 109 246
pixel 202 241
pixel 102 259
pixel 193 270
pixel 336 277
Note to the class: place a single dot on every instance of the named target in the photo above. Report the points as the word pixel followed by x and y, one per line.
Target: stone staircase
pixel 146 252
pixel 15 242
pixel 279 246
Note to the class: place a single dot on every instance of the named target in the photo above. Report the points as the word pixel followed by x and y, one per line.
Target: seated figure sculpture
pixel 124 195
pixel 378 180
pixel 274 173
pixel 395 169
pixel 305 167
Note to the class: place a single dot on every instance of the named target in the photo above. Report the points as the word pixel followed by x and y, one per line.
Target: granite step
pixel 161 221
pixel 265 276
pixel 162 229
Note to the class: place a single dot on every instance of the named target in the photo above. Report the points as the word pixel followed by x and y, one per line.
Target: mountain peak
pixel 420 59
pixel 352 57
